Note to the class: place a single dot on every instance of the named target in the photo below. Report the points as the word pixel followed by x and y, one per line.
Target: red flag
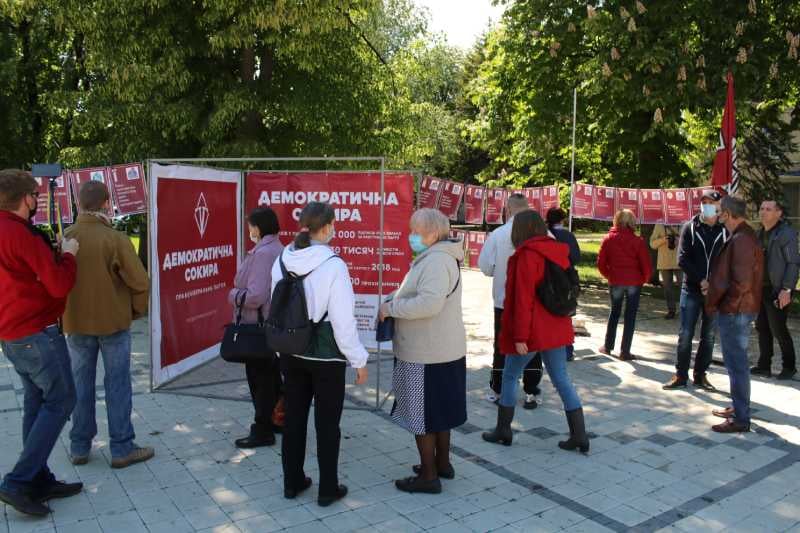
pixel 725 172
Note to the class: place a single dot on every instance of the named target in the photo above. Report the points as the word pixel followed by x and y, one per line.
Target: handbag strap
pixel 240 305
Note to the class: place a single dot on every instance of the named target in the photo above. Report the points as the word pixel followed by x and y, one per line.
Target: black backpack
pixel 559 289
pixel 289 330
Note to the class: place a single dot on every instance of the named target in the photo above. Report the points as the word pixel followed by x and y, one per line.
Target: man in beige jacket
pixel 665 240
pixel 110 292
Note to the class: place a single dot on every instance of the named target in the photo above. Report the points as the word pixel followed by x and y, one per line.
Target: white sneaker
pixel 492 397
pixel 531 401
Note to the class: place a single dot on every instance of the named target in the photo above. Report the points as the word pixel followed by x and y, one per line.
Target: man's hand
pixel 522 348
pixel 704 287
pixel 383 313
pixel 361 375
pixel 69 246
pixel 784 298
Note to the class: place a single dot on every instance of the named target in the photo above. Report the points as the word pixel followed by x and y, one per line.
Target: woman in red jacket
pixel 527 328
pixel 624 261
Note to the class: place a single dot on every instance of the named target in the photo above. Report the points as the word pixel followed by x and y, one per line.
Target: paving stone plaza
pixel 654 464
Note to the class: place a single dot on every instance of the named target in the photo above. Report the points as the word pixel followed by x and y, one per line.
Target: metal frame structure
pixel 216 160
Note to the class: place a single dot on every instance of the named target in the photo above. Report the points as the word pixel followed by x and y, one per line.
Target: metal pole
pixel 380 281
pixel 572 171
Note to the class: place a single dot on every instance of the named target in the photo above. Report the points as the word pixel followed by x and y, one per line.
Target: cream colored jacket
pixel 667 259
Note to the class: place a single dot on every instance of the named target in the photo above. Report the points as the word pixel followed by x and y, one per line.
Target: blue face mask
pixel 415 241
pixel 709 210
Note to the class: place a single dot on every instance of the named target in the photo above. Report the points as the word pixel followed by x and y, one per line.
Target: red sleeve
pixel 58 277
pixel 523 298
pixel 644 261
pixel 602 259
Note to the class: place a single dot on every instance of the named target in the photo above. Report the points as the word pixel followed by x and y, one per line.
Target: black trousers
pixel 771 325
pixel 264 380
pixel 324 383
pixel 532 375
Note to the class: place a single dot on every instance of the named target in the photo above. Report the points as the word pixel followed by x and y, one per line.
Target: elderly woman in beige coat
pixel 665 240
pixel 430 348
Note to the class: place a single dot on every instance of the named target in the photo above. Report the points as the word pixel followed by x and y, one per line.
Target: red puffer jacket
pixel 624 258
pixel 524 317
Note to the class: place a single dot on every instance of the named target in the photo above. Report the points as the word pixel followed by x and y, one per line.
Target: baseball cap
pixel 712 195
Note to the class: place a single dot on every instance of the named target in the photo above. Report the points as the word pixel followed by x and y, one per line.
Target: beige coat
pixel 429 325
pixel 667 259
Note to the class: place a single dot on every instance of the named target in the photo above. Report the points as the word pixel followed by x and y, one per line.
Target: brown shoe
pixel 627 356
pixel 138 455
pixel 723 413
pixel 703 383
pixel 729 426
pixel 603 350
pixel 78 460
pixel 675 383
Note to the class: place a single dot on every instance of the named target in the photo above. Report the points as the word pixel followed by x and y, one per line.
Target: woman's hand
pixel 522 348
pixel 361 375
pixel 383 313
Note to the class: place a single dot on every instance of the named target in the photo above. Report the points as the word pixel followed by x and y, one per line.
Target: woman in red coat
pixel 624 261
pixel 528 328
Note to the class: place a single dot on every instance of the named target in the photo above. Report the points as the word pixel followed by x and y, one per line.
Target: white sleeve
pixel 488 256
pixel 341 309
pixel 277 274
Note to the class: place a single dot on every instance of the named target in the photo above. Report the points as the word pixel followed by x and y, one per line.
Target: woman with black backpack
pixel 308 273
pixel 529 327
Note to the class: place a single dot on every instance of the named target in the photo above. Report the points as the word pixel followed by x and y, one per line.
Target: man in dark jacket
pixel 700 242
pixel 779 241
pixel 733 291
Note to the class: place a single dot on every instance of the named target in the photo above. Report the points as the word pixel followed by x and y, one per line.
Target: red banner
pixel 430 189
pixel 549 198
pixel 605 203
pixel 475 240
pixel 629 199
pixel 676 202
pixel 79 177
pixel 63 199
pixel 534 197
pixel 495 203
pixel 652 206
pixel 474 204
pixel 129 190
pixel 356 199
pixel 450 200
pixel 583 201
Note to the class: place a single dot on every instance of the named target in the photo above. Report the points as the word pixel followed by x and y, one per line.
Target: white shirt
pixel 493 260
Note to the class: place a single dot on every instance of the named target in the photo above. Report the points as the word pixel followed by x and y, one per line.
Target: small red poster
pixel 677 206
pixel 429 191
pixel 450 200
pixel 129 189
pixel 459 235
pixel 63 200
pixel 495 202
pixel 652 206
pixel 583 201
pixel 534 196
pixel 549 198
pixel 629 199
pixel 605 203
pixel 79 177
pixel 474 197
pixel 475 240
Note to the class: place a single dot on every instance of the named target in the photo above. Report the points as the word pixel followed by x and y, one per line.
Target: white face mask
pixel 708 211
pixel 254 237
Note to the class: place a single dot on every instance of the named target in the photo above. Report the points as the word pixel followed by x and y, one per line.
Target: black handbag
pixel 384 332
pixel 245 343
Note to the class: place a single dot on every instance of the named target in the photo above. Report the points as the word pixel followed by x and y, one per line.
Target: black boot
pixel 577 432
pixel 502 433
pixel 258 437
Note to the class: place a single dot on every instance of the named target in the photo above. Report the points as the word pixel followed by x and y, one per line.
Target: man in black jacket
pixel 779 241
pixel 701 240
pixel 555 223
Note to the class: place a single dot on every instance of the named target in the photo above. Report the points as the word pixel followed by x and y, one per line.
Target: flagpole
pixel 572 171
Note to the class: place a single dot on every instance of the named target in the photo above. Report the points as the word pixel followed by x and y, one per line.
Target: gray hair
pixel 429 221
pixel 517 202
pixel 734 205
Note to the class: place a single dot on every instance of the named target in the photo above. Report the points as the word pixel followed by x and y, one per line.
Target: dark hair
pixel 527 224
pixel 92 195
pixel 265 220
pixel 14 186
pixel 778 204
pixel 555 215
pixel 736 207
pixel 313 218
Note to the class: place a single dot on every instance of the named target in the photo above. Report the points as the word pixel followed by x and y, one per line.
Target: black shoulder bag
pixel 244 343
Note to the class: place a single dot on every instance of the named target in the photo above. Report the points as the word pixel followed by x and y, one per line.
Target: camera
pixel 672 241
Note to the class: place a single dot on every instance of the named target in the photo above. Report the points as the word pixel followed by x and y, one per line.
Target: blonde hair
pixel 624 218
pixel 427 221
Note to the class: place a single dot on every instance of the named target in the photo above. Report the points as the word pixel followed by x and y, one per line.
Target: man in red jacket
pixel 34 283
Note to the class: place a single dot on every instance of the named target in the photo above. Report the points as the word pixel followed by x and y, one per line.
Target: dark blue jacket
pixel 699 245
pixel 781 256
pixel 568 238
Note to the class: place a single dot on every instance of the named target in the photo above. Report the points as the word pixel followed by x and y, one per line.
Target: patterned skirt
pixel 430 398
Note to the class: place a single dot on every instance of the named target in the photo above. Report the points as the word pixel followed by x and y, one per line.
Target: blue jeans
pixel 42 363
pixel 555 362
pixel 116 350
pixel 619 293
pixel 692 309
pixel 734 333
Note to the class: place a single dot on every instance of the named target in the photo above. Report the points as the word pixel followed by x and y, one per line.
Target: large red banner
pixel 549 198
pixel 495 202
pixel 430 189
pixel 605 203
pixel 197 223
pixel 676 206
pixel 79 177
pixel 63 199
pixel 357 201
pixel 474 204
pixel 652 201
pixel 450 200
pixel 629 199
pixel 583 201
pixel 129 191
pixel 474 245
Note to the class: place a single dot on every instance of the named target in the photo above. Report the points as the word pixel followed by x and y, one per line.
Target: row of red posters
pixel 651 206
pixel 126 186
